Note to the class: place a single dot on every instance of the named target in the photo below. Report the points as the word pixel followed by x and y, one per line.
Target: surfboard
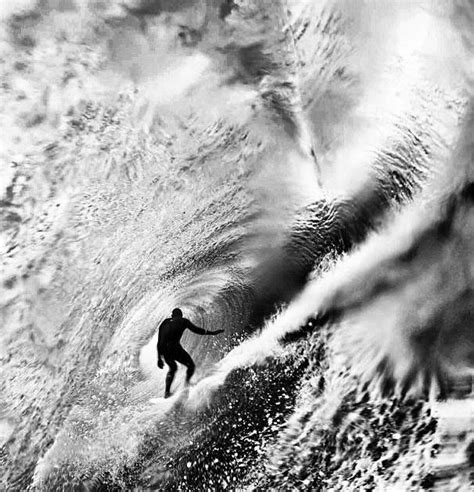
pixel 173 396
pixel 157 400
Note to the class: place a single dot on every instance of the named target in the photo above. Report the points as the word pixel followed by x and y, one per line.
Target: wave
pixel 284 171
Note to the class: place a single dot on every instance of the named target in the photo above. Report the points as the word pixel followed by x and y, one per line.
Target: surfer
pixel 169 348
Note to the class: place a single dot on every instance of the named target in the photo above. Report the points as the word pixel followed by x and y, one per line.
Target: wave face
pixel 298 173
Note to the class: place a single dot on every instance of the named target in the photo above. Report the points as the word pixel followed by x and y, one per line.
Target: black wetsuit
pixel 169 336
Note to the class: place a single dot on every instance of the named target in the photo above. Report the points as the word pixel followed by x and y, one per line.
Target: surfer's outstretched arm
pixel 202 331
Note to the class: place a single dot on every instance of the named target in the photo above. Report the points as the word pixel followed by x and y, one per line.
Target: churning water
pixel 298 173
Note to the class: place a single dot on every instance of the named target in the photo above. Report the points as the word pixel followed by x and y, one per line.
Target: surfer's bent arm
pixel 160 342
pixel 202 331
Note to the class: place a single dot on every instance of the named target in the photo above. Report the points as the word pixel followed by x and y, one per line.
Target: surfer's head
pixel 177 313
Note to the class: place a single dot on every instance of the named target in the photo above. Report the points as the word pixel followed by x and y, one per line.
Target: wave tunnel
pixel 297 173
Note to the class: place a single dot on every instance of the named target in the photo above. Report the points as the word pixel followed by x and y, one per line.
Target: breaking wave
pixel 297 173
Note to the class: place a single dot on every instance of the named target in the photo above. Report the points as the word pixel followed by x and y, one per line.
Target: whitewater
pixel 297 173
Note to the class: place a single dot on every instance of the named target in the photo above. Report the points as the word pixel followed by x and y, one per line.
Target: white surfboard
pixel 158 400
pixel 162 400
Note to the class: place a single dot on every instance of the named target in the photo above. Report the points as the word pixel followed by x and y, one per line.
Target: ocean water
pixel 296 173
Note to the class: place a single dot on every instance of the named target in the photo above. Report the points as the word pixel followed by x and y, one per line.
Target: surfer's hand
pixel 218 331
pixel 160 364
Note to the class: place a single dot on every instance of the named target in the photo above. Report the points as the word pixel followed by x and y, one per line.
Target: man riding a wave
pixel 169 348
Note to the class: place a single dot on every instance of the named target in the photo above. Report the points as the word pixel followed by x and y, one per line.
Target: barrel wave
pixel 297 173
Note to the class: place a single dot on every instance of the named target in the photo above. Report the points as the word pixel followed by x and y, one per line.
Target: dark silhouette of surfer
pixel 169 348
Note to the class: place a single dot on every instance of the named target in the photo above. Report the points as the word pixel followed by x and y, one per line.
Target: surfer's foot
pixel 167 394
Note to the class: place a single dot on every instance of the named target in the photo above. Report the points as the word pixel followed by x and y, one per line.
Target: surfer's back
pixel 171 331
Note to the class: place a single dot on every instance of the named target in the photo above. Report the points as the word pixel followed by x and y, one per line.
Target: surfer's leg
pixel 184 358
pixel 170 376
